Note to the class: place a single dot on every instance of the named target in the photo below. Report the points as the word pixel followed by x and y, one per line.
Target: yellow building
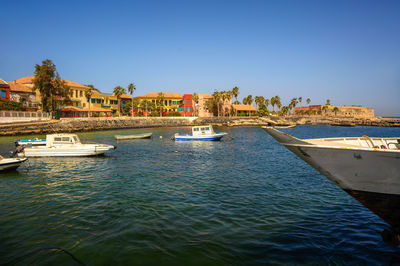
pixel 171 102
pixel 77 95
pixel 105 101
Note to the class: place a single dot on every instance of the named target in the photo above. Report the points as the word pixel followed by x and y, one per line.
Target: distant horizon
pixel 345 51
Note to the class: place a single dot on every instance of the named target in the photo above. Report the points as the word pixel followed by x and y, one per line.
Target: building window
pixel 98 100
pixel 3 93
pixel 188 101
pixel 181 109
pixel 81 93
pixel 84 104
pixel 188 109
pixel 93 100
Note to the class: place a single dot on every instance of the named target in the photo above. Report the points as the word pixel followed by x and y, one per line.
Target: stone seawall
pixel 93 124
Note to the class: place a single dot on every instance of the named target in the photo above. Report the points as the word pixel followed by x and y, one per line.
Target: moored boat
pixel 61 145
pixel 367 168
pixel 10 163
pixel 136 136
pixel 201 133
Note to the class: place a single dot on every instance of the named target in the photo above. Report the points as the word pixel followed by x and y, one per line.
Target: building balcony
pixel 105 105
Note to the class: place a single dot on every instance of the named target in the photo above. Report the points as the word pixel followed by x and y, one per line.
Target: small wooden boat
pixel 201 133
pixel 136 136
pixel 10 163
pixel 280 127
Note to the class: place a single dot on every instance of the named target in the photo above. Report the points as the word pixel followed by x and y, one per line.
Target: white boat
pixel 61 145
pixel 10 163
pixel 365 167
pixel 30 142
pixel 201 133
pixel 136 136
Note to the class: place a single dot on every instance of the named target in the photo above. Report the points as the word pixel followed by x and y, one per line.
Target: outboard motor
pixel 18 150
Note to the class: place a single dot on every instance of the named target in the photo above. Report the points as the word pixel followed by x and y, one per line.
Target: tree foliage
pixel 50 86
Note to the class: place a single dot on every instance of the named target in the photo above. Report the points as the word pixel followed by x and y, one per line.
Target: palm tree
pixel 217 97
pixel 266 103
pixel 335 110
pixel 118 91
pixel 235 92
pixel 300 99
pixel 249 101
pixel 160 101
pixel 88 96
pixel 308 101
pixel 324 108
pixel 257 100
pixel 195 99
pixel 285 110
pixel 328 102
pixel 273 102
pixel 131 89
pixel 293 104
pixel 278 102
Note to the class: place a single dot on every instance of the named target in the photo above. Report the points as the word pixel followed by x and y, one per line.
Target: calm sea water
pixel 243 200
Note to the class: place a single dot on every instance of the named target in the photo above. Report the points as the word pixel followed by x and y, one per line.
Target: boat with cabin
pixel 201 133
pixel 10 163
pixel 368 168
pixel 61 145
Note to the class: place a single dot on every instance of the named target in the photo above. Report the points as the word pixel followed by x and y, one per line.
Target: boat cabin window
pixel 76 139
pixel 205 129
pixel 57 139
pixel 195 129
pixel 65 139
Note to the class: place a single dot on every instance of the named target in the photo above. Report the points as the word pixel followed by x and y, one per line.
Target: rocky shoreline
pixel 94 124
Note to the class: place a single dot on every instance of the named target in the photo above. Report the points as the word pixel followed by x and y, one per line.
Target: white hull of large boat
pixel 355 169
pixel 66 151
pixel 11 163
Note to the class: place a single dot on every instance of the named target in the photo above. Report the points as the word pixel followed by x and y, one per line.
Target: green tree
pixel 217 98
pixel 325 108
pixel 160 102
pixel 118 91
pixel 50 86
pixel 195 99
pixel 131 89
pixel 278 102
pixel 335 110
pixel 300 99
pixel 88 96
pixel 266 103
pixel 92 87
pixel 328 102
pixel 235 93
pixel 308 101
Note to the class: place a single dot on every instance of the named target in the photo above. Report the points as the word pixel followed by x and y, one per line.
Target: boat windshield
pixel 76 139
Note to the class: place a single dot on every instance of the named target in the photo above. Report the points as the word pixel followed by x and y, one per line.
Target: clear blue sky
pixel 345 51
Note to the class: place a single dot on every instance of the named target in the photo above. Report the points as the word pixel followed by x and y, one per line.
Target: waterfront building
pixel 77 96
pixel 76 112
pixel 342 111
pixel 23 94
pixel 244 109
pixel 104 101
pixel 124 98
pixel 171 102
pixel 4 91
pixel 201 108
pixel 186 107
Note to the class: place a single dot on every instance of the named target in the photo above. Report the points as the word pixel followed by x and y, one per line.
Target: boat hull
pixel 217 136
pixel 126 137
pixel 83 150
pixel 11 163
pixel 371 176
